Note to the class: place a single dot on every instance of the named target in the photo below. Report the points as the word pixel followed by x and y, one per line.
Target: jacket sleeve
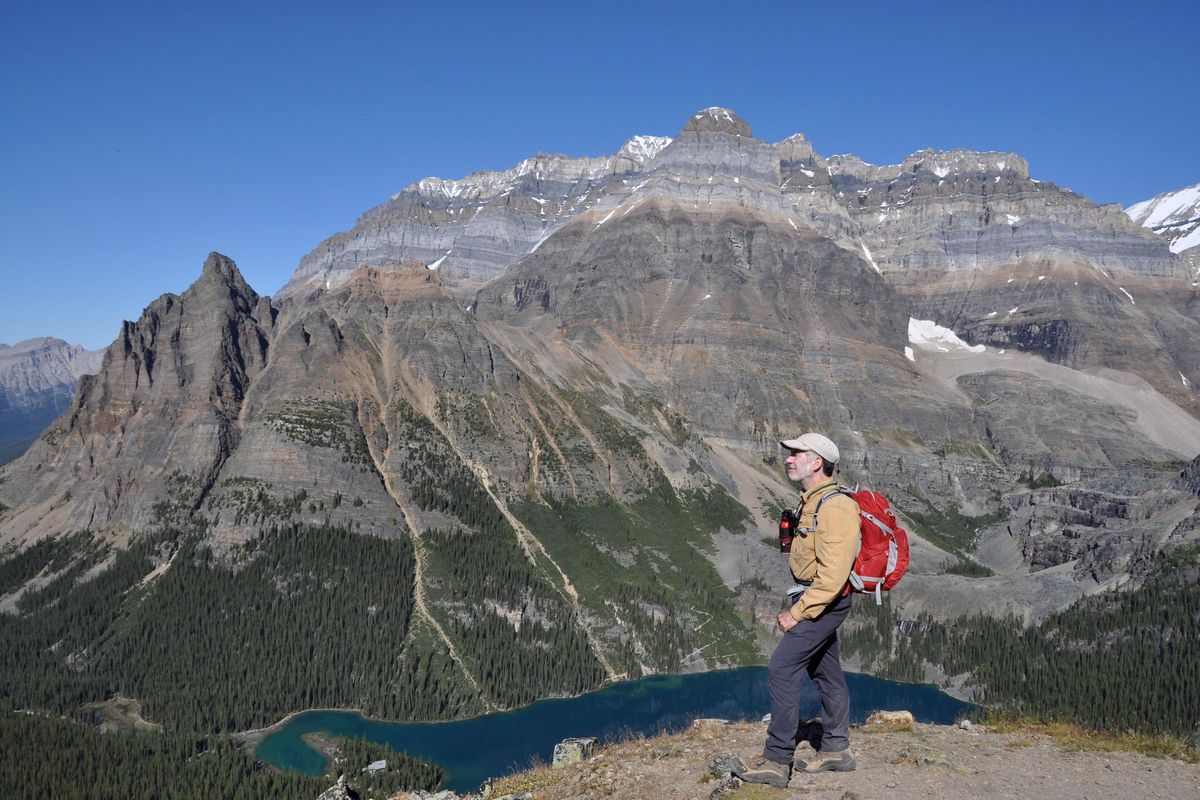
pixel 836 542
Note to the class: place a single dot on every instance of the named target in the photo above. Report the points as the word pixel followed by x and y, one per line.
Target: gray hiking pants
pixel 811 647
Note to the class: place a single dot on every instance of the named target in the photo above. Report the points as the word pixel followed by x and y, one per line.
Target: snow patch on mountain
pixel 644 148
pixel 716 112
pixel 871 261
pixel 484 185
pixel 927 332
pixel 1174 215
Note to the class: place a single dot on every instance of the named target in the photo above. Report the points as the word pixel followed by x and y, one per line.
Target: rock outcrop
pixel 906 760
pixel 339 791
pixel 573 751
pixel 1190 477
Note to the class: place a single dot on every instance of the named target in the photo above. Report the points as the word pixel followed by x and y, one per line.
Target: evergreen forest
pixel 302 618
pixel 376 770
pixel 1116 661
pixel 68 759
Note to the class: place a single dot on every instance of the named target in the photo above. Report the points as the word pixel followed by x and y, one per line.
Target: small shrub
pixel 1043 480
pixel 969 568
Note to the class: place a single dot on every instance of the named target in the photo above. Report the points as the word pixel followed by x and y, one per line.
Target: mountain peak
pixel 219 264
pixel 795 147
pixel 719 120
pixel 1175 215
pixel 221 273
pixel 35 343
pixel 644 148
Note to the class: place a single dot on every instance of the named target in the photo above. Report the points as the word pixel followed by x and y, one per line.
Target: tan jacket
pixel 825 556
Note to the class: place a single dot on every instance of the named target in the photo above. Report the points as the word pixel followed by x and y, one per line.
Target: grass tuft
pixel 1078 738
pixel 532 779
pixel 887 727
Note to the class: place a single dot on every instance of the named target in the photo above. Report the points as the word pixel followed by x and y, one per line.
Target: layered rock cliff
pixel 581 367
pixel 968 239
pixel 473 228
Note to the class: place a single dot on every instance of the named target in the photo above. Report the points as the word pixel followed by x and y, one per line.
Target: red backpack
pixel 882 545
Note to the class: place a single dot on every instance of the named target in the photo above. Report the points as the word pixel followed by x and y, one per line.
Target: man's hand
pixel 785 621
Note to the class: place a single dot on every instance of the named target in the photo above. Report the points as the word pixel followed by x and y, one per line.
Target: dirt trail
pixel 930 761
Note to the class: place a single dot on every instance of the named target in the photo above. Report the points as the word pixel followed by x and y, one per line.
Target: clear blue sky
pixel 137 137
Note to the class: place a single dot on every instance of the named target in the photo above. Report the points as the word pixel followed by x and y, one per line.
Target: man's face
pixel 800 464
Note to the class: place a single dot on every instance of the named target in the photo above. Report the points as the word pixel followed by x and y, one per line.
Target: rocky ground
pixel 897 761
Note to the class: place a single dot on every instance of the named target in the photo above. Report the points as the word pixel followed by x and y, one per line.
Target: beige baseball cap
pixel 821 445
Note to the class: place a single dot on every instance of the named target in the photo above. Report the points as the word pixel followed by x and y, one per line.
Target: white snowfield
pixel 1189 240
pixel 1175 214
pixel 645 148
pixel 929 333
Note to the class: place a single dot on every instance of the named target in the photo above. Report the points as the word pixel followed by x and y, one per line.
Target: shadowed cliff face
pixel 390 359
pixel 740 321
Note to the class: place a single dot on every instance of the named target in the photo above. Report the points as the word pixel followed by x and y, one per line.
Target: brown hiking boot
pixel 821 761
pixel 763 770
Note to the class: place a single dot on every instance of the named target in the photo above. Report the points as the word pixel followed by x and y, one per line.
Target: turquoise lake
pixel 475 749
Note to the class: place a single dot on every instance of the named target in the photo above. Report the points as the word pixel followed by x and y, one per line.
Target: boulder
pixel 572 751
pixel 339 791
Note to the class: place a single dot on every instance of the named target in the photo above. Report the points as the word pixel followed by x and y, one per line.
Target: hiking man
pixel 822 556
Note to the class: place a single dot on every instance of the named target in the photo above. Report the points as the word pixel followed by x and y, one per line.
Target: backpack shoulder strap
pixel 832 492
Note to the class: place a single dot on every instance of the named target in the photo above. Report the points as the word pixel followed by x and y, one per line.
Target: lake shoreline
pixel 515 738
pixel 252 737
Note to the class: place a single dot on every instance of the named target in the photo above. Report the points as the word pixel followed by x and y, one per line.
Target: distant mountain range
pixel 37 379
pixel 558 390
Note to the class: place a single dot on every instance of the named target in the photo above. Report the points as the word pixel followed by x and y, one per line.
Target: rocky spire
pixel 166 401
